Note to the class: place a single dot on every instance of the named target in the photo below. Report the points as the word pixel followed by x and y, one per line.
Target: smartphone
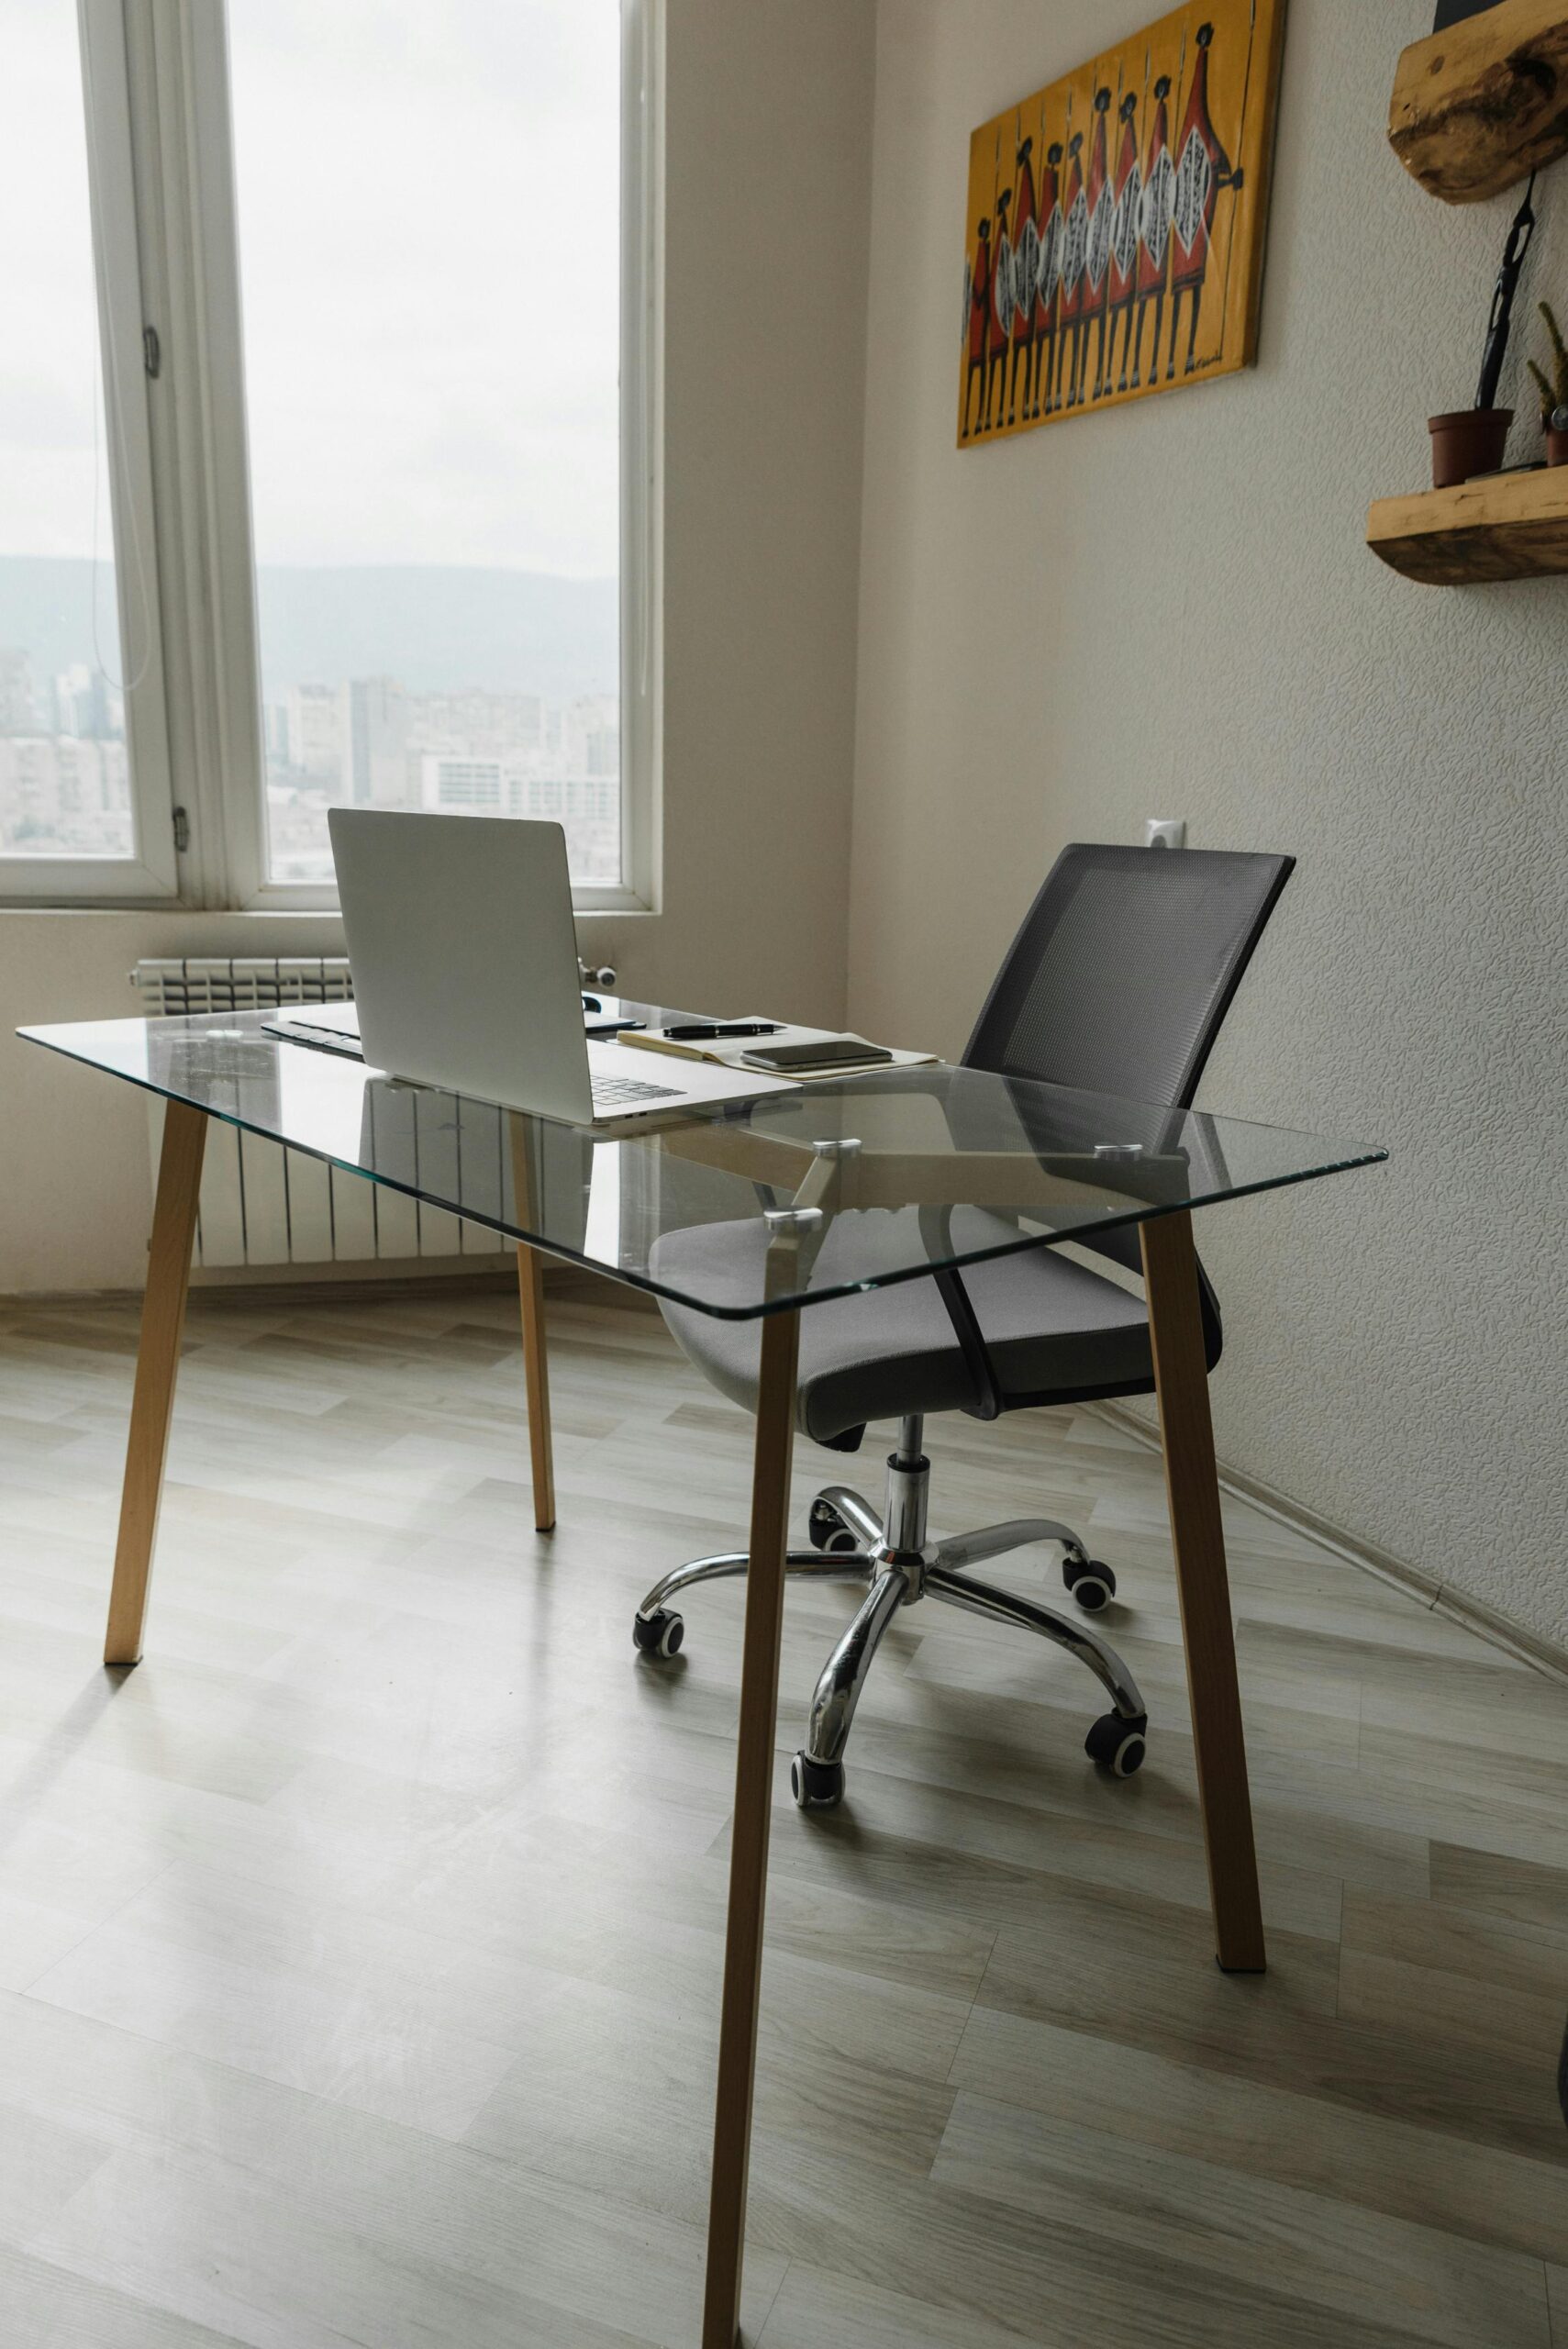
pixel 838 1052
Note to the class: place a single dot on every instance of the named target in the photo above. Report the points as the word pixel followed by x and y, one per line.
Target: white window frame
pixel 151 872
pixel 642 467
pixel 188 213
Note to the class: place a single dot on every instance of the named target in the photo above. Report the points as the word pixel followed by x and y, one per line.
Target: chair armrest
pixel 935 1234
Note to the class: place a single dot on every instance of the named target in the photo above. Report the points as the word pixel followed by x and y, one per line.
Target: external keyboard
pixel 617 1092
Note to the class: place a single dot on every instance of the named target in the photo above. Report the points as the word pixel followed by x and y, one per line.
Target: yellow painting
pixel 1114 236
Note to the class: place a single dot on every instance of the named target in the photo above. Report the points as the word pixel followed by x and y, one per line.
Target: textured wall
pixel 1169 611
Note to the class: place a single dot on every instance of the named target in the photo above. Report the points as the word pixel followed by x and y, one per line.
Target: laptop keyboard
pixel 622 1092
pixel 335 1040
pixel 609 1092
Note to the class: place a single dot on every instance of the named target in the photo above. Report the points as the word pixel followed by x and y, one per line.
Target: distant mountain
pixel 436 629
pixel 45 609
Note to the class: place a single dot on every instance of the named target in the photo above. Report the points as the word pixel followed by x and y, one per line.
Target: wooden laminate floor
pixel 360 1951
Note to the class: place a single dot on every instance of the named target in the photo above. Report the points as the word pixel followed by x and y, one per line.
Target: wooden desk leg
pixel 536 1365
pixel 536 1373
pixel 1181 1375
pixel 156 1364
pixel 749 1844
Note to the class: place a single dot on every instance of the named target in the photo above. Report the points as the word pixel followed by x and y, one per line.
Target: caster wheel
pixel 815 1786
pixel 828 1532
pixel 1091 1583
pixel 660 1634
pixel 1117 1745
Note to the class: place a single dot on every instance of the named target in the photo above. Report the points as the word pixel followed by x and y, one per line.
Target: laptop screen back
pixel 463 954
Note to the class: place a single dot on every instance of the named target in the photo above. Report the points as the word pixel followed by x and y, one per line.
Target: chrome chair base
pixel 891 1554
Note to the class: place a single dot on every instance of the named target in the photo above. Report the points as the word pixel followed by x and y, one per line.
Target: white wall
pixel 1169 611
pixel 768 171
pixel 766 214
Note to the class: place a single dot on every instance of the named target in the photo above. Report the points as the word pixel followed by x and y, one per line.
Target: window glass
pixel 429 240
pixel 64 776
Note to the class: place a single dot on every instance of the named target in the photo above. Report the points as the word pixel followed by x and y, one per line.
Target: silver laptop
pixel 463 959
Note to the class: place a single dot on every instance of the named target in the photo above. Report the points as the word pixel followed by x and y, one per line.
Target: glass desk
pixel 818 1170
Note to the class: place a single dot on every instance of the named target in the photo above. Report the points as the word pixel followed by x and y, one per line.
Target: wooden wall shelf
pixel 1486 103
pixel 1512 526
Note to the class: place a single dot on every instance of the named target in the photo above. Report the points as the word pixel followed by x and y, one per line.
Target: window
pixel 80 677
pixel 399 263
pixel 429 272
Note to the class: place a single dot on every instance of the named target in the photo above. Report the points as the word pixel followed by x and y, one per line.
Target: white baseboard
pixel 1443 1599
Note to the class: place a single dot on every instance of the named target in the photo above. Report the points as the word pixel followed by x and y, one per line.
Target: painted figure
pixel 1001 309
pixel 1074 251
pixel 1098 260
pixel 978 305
pixel 1126 186
pixel 1202 168
pixel 1154 231
pixel 1048 277
pixel 1025 265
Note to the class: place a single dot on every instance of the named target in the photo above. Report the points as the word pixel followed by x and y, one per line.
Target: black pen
pixel 703 1032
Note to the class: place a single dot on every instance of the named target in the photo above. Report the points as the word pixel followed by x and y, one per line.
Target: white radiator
pixel 261 1204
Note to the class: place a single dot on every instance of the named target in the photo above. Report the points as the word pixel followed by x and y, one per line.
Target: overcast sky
pixel 430 232
pixel 51 336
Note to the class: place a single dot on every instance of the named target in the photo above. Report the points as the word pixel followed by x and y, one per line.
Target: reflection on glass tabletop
pixel 856 1181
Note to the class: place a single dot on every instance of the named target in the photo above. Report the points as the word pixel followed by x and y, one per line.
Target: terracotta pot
pixel 1556 447
pixel 1472 440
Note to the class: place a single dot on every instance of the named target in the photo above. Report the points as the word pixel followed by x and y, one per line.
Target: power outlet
pixel 1165 832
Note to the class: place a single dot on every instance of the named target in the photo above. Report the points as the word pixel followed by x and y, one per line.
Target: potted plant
pixel 1553 392
pixel 1471 440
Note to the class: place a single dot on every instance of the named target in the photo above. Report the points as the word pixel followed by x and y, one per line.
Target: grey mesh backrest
pixel 1123 971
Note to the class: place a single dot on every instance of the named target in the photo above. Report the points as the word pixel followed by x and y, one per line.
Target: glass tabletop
pixel 740 1209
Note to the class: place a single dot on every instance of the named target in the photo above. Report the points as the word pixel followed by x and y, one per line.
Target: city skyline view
pixel 538 738
pixel 368 742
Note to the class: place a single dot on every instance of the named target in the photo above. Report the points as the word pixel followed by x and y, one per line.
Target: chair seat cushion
pixel 1055 1330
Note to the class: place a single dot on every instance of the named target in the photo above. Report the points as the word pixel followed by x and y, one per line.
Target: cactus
pixel 1553 390
pixel 1548 396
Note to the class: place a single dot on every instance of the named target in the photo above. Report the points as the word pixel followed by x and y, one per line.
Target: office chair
pixel 1117 983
